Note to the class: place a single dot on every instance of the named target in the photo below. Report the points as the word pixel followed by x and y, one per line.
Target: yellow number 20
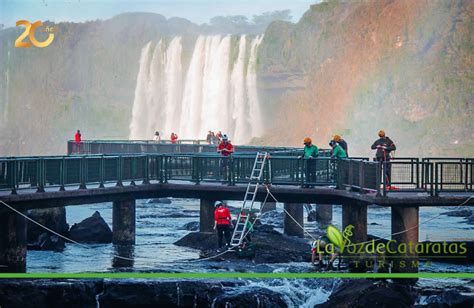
pixel 30 30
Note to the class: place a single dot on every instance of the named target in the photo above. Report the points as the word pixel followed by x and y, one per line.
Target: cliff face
pixel 84 80
pixel 354 68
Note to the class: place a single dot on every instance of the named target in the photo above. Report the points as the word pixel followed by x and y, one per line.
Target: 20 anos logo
pixel 30 32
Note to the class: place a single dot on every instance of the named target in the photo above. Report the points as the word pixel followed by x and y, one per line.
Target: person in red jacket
pixel 78 140
pixel 174 138
pixel 226 149
pixel 222 222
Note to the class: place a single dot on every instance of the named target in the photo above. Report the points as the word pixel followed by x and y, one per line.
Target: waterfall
pixel 216 91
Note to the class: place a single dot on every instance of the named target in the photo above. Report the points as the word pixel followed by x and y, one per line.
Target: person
pixel 209 137
pixel 248 227
pixel 78 139
pixel 384 146
pixel 157 136
pixel 342 143
pixel 319 247
pixel 337 151
pixel 222 222
pixel 174 138
pixel 225 148
pixel 215 140
pixel 219 136
pixel 310 152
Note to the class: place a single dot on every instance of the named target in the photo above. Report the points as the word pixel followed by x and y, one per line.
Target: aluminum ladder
pixel 249 199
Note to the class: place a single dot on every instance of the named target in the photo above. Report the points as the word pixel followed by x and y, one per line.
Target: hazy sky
pixel 199 11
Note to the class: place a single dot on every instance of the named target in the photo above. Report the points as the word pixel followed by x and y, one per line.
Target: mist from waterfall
pixel 216 91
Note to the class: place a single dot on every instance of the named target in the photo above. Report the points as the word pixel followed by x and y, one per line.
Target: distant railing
pixel 182 146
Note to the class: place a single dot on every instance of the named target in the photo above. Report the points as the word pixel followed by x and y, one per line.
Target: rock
pixel 91 230
pixel 49 293
pixel 273 218
pixel 191 226
pixel 54 219
pixel 48 242
pixel 160 200
pixel 312 216
pixel 259 297
pixel 369 293
pixel 464 212
pixel 450 298
pixel 270 246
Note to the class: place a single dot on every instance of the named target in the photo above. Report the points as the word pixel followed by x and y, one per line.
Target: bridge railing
pixel 409 174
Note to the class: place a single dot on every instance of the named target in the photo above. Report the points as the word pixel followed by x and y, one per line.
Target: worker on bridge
pixel 226 149
pixel 174 138
pixel 310 153
pixel 342 143
pixel 384 146
pixel 337 150
pixel 222 222
pixel 77 139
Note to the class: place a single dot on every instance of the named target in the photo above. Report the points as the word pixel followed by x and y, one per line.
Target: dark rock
pixel 49 293
pixel 450 298
pixel 369 293
pixel 312 216
pixel 160 200
pixel 54 219
pixel 48 242
pixel 270 246
pixel 92 230
pixel 464 212
pixel 251 298
pixel 191 226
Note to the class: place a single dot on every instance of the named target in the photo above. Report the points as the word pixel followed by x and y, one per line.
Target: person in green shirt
pixel 337 151
pixel 310 152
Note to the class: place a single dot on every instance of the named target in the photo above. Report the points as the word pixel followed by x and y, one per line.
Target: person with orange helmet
pixel 384 146
pixel 310 152
pixel 337 138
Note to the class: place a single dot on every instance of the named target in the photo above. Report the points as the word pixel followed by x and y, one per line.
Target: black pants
pixel 310 172
pixel 225 164
pixel 223 230
pixel 386 171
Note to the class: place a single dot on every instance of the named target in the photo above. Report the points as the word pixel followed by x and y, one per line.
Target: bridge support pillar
pixel 123 222
pixel 324 213
pixel 12 243
pixel 269 206
pixel 290 227
pixel 206 215
pixel 405 232
pixel 355 213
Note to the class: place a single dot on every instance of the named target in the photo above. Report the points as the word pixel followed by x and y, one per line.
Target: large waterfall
pixel 216 91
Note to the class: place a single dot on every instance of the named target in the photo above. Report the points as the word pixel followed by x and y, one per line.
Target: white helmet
pixel 225 138
pixel 218 202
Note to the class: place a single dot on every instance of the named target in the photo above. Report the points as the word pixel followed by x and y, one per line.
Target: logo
pixel 30 32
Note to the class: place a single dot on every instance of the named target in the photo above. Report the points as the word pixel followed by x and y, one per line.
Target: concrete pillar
pixel 405 231
pixel 12 243
pixel 290 227
pixel 324 213
pixel 123 256
pixel 206 215
pixel 123 222
pixel 269 206
pixel 355 213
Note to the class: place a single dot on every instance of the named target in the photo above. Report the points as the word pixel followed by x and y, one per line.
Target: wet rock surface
pixel 191 226
pixel 40 239
pixel 129 293
pixel 91 230
pixel 270 246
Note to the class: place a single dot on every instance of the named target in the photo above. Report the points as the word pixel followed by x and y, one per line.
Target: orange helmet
pixel 307 140
pixel 337 138
pixel 381 133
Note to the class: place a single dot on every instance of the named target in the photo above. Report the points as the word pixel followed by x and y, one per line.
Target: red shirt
pixel 174 137
pixel 222 147
pixel 78 137
pixel 222 216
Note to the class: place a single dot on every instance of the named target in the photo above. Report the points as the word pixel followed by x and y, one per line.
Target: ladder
pixel 249 199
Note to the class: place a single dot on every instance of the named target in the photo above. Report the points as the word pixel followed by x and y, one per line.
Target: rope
pixel 60 235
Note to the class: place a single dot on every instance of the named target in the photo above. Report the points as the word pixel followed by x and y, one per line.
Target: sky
pixel 198 11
